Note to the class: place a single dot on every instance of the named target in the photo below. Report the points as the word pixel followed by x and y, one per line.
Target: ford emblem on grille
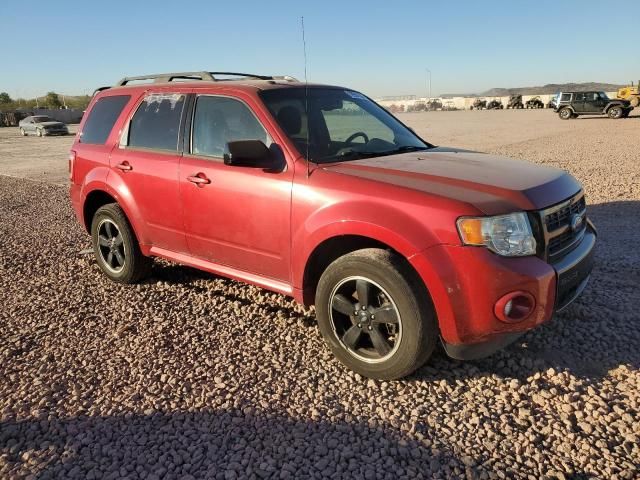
pixel 576 222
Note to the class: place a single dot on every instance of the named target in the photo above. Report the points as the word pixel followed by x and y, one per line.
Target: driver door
pixel 593 103
pixel 234 216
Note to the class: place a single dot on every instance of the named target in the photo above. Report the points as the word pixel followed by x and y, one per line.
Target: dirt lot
pixel 193 376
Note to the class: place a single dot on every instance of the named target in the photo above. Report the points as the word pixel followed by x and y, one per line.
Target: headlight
pixel 507 235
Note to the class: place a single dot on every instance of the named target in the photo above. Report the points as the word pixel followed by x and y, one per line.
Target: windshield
pixel 340 125
pixel 42 119
pixel 603 96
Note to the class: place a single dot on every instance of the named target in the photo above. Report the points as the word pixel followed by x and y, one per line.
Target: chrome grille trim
pixel 556 227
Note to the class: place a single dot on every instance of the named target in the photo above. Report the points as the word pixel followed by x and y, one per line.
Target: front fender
pixel 391 226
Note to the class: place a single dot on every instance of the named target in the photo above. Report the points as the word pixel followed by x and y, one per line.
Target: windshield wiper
pixel 348 155
pixel 357 154
pixel 404 149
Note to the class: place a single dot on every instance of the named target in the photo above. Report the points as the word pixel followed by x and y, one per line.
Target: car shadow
pixel 602 117
pixel 222 443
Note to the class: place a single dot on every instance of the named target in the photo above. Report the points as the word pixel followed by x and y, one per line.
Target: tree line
pixel 50 100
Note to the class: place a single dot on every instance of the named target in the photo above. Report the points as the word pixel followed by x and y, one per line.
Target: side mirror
pixel 248 153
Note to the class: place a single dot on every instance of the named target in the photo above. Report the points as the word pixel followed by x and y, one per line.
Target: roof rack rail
pixel 98 90
pixel 198 76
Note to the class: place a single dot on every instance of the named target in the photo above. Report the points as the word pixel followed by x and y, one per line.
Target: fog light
pixel 507 308
pixel 514 307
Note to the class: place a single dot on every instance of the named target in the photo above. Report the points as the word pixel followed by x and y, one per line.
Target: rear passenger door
pixel 234 216
pixel 147 162
pixel 578 102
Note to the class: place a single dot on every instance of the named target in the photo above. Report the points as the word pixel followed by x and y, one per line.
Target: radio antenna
pixel 306 92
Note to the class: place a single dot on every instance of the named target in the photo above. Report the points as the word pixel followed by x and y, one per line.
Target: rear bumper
pixel 465 283
pixel 74 195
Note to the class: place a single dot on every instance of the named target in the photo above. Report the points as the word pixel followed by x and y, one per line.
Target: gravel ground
pixel 193 376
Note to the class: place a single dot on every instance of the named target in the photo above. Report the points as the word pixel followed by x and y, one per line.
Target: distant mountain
pixel 546 89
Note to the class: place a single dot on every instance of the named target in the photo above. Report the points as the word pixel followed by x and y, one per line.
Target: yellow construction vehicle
pixel 631 93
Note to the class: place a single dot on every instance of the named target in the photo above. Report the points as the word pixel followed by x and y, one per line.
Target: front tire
pixel 22 132
pixel 565 114
pixel 375 314
pixel 615 112
pixel 115 246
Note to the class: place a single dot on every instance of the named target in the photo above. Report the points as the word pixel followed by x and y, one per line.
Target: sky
pixel 378 47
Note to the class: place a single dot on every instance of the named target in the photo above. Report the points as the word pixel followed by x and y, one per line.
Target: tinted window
pixel 579 97
pixel 219 120
pixel 157 121
pixel 342 124
pixel 565 97
pixel 101 118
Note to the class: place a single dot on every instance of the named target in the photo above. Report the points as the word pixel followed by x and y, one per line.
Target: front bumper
pixel 466 282
pixel 49 133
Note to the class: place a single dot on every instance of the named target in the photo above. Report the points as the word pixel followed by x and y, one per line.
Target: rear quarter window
pixel 156 123
pixel 101 119
pixel 565 97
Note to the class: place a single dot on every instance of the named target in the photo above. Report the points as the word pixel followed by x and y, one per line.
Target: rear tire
pixel 565 113
pixel 115 246
pixel 391 336
pixel 615 112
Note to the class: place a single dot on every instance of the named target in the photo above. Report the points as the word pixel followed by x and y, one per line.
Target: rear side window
pixel 101 118
pixel 565 97
pixel 156 123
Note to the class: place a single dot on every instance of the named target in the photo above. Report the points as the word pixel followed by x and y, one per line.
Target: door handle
pixel 124 166
pixel 199 179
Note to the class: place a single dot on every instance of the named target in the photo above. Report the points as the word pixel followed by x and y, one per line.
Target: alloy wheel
pixel 365 320
pixel 111 246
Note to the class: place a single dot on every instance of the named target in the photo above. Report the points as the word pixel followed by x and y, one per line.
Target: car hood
pixel 493 184
pixel 621 101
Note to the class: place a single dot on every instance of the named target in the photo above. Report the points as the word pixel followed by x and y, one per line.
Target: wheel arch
pixel 93 201
pixel 96 194
pixel 334 247
pixel 610 105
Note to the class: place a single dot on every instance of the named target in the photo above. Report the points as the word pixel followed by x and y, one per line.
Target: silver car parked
pixel 42 125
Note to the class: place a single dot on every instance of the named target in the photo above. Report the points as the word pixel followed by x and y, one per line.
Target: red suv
pixel 317 192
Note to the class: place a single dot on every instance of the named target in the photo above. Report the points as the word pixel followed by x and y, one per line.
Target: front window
pixel 332 125
pixel 219 120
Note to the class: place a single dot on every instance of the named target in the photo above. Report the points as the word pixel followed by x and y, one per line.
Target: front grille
pixel 564 241
pixel 559 218
pixel 559 236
